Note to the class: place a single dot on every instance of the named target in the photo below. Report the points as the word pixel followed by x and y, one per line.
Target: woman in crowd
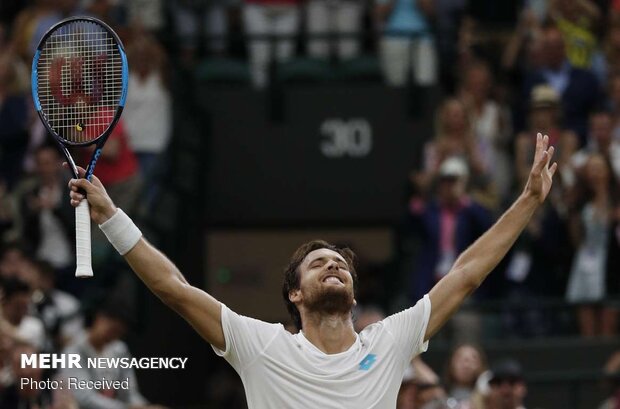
pixel 490 121
pixel 591 231
pixel 465 365
pixel 453 138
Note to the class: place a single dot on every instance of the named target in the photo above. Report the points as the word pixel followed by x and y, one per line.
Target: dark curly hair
pixel 291 272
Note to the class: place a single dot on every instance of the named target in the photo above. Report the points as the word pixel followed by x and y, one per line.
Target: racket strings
pixel 80 80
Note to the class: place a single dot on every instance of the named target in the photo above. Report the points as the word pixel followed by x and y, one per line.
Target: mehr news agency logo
pixel 75 361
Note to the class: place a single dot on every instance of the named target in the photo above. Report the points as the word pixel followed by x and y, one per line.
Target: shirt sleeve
pixel 409 326
pixel 246 338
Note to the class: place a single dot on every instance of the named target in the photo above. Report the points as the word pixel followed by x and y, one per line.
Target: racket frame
pixel 84 267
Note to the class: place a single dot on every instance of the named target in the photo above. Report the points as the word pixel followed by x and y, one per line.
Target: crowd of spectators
pixel 555 74
pixel 43 308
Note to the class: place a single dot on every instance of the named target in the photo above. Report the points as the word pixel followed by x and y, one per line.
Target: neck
pixel 331 334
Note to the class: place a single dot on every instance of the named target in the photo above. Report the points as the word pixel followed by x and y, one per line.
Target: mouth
pixel 332 279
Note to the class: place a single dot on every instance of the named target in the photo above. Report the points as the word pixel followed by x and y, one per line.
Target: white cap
pixel 454 166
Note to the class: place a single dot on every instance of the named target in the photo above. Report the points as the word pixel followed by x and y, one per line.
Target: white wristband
pixel 121 232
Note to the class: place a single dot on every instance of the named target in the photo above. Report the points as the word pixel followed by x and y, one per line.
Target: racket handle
pixel 82 240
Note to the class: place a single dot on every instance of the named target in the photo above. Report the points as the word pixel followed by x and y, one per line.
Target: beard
pixel 330 300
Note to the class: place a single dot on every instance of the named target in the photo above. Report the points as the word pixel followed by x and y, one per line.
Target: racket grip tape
pixel 82 241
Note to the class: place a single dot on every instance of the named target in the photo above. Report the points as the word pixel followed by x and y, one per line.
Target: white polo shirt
pixel 280 370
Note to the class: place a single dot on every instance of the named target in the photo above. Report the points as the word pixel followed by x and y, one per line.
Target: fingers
pixel 538 150
pixel 553 168
pixel 543 154
pixel 76 184
pixel 542 143
pixel 95 181
pixel 77 188
pixel 551 151
pixel 540 164
pixel 81 170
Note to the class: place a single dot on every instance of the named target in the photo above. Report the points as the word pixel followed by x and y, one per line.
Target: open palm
pixel 541 176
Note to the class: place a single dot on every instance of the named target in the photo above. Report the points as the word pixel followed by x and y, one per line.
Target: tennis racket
pixel 79 86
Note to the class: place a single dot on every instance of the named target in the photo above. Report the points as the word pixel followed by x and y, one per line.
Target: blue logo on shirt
pixel 367 362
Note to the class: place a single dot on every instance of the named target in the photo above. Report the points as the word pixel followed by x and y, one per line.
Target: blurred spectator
pixel 600 140
pixel 524 49
pixel 407 45
pixel 577 21
pixel 34 22
pixel 536 267
pixel 465 365
pixel 148 110
pixel 448 15
pixel 7 341
pixel 112 12
pixel 421 389
pixel 104 338
pixel 507 388
pixel 612 375
pixel 29 396
pixel 197 20
pixel 454 137
pixel 13 122
pixel 578 89
pixel 609 63
pixel 16 304
pixel 147 14
pixel 446 225
pixel 538 8
pixel 264 18
pixel 7 212
pixel 13 259
pixel 491 124
pixel 47 219
pixel 614 102
pixel 60 312
pixel 544 117
pixel 591 232
pixel 26 25
pixel 343 17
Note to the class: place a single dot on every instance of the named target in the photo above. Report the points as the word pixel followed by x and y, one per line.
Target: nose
pixel 332 265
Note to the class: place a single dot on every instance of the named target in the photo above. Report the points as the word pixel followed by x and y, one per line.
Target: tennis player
pixel 327 364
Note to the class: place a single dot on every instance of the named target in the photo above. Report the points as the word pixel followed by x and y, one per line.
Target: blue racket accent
pixel 34 82
pixel 91 165
pixel 121 103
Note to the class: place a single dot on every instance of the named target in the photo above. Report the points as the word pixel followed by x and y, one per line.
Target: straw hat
pixel 544 96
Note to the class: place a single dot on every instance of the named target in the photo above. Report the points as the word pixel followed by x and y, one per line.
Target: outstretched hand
pixel 541 176
pixel 101 206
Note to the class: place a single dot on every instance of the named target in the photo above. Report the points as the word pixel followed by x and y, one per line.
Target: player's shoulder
pixel 373 332
pixel 235 321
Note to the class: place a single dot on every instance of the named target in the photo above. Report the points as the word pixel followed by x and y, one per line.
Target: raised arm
pixel 159 274
pixel 475 263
